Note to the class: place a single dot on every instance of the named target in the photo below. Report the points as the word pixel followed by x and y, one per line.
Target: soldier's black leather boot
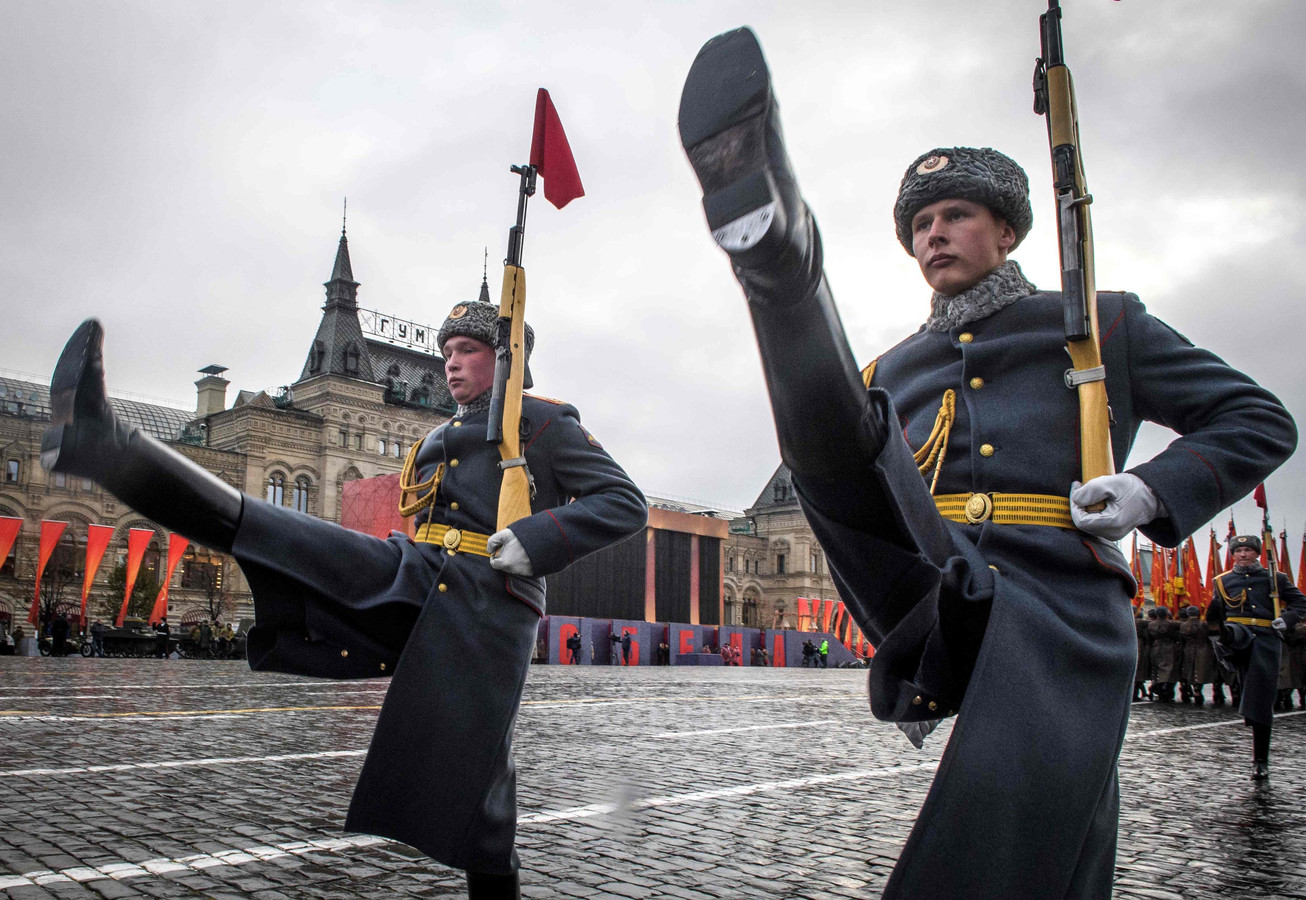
pixel 730 129
pixel 86 438
pixel 481 886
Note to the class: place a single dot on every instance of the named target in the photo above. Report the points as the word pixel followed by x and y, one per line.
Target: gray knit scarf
pixel 480 403
pixel 1250 568
pixel 1000 288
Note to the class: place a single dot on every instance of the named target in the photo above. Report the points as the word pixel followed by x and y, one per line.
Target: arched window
pixel 276 489
pixel 299 497
pixel 315 357
pixel 351 359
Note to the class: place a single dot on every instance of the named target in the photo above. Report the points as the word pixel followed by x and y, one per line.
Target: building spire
pixel 485 276
pixel 344 218
pixel 342 288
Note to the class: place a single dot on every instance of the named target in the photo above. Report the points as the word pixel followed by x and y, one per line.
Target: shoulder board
pixel 545 399
pixel 868 373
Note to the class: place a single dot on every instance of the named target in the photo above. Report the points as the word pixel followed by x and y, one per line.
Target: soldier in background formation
pixel 1292 670
pixel 1177 654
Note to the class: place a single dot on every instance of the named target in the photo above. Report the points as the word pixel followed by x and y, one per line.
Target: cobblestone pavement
pixel 135 778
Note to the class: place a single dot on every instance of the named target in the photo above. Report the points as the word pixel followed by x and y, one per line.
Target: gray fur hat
pixel 980 174
pixel 1245 540
pixel 480 320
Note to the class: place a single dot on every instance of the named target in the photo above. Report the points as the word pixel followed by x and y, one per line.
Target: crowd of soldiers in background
pixel 1176 656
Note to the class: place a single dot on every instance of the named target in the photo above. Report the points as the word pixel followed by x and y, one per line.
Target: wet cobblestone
pixel 140 778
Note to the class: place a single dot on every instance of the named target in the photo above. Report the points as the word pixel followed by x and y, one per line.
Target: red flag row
pixel 97 542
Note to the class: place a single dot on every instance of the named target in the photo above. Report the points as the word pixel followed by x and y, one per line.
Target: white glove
pixel 1129 504
pixel 917 731
pixel 507 554
pixel 1279 625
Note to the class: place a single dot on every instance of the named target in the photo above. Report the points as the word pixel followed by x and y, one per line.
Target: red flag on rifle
pixel 551 155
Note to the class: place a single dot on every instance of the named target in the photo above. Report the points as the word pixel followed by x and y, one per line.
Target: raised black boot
pixel 730 128
pixel 86 438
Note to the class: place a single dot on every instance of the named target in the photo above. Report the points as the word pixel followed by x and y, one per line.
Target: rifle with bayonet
pixel 1054 98
pixel 504 427
pixel 1271 551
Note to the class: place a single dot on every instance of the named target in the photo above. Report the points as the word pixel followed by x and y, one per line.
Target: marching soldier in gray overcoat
pixel 1143 666
pixel 1199 657
pixel 1164 632
pixel 1252 624
pixel 452 615
pixel 942 485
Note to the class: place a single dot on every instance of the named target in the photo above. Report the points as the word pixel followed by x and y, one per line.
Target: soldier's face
pixel 1244 555
pixel 468 367
pixel 958 242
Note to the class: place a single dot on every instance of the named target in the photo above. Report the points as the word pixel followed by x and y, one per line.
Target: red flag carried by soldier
pixel 1193 576
pixel 1213 564
pixel 1301 566
pixel 1158 575
pixel 1136 569
pixel 1285 564
pixel 551 154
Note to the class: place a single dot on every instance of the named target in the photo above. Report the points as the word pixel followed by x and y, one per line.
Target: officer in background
pixel 1252 627
pixel 942 485
pixel 452 614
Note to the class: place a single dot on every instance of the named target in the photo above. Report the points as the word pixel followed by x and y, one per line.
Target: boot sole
pixel 63 387
pixel 723 109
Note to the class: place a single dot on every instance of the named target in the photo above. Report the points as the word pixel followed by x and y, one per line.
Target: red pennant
pixel 9 528
pixel 176 547
pixel 50 534
pixel 1136 569
pixel 97 540
pixel 1285 563
pixel 551 154
pixel 138 541
pixel 1259 496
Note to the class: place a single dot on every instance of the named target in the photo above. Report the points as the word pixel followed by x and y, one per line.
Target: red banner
pixel 1301 567
pixel 1158 576
pixel 138 541
pixel 803 613
pixel 50 534
pixel 838 619
pixel 1212 565
pixel 1228 543
pixel 9 528
pixel 827 610
pixel 1193 577
pixel 1136 569
pixel 97 540
pixel 1285 564
pixel 176 547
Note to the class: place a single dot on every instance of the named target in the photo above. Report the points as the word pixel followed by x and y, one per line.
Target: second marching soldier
pixel 1252 626
pixel 452 615
pixel 941 483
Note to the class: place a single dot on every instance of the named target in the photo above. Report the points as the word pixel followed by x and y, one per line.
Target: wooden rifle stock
pixel 1054 96
pixel 1271 556
pixel 515 491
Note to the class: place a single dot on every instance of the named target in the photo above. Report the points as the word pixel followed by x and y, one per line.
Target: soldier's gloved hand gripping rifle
pixel 551 159
pixel 1054 97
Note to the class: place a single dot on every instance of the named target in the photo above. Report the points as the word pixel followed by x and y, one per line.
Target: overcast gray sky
pixel 177 169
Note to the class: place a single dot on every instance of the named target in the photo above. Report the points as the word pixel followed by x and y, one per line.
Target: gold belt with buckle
pixel 453 540
pixel 1247 620
pixel 1005 509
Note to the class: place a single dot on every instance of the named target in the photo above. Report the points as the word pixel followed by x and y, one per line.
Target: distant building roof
pixel 32 400
pixel 678 504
